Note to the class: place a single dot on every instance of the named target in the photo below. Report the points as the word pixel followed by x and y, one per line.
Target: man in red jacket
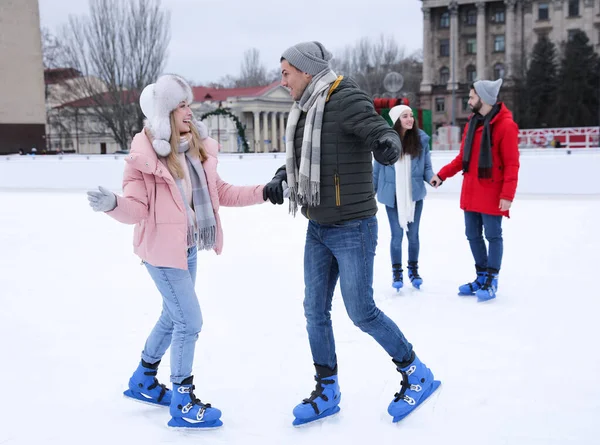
pixel 489 160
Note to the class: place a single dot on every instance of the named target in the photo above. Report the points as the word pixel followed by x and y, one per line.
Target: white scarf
pixel 404 203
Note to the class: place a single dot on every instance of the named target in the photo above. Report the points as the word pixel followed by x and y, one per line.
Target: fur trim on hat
pixel 157 101
pixel 163 148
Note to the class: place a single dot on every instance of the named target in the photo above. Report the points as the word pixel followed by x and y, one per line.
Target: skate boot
pixel 323 401
pixel 144 387
pixel 189 412
pixel 413 274
pixel 417 385
pixel 471 288
pixel 397 280
pixel 489 288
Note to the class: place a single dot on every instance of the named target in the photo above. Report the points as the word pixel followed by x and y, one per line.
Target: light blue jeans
pixel 180 320
pixel 345 251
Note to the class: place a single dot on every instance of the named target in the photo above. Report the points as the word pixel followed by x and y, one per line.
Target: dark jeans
pixel 345 251
pixel 475 225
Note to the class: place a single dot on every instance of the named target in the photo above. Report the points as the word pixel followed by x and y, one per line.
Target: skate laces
pixel 488 282
pixel 397 274
pixel 155 383
pixel 193 401
pixel 318 392
pixel 405 385
pixel 414 272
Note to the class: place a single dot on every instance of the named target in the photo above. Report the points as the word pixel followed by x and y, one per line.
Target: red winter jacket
pixel 483 195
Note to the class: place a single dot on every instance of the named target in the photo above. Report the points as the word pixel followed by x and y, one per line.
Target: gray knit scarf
pixel 203 230
pixel 304 180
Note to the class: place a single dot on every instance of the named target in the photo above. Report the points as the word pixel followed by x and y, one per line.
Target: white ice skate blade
pixel 192 429
pixel 316 422
pixel 133 399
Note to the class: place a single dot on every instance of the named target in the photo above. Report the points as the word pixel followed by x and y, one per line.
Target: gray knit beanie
pixel 308 57
pixel 488 90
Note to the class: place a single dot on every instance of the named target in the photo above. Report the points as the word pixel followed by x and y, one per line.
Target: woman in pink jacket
pixel 172 193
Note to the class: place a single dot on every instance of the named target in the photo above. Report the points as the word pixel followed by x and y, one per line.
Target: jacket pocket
pixel 336 182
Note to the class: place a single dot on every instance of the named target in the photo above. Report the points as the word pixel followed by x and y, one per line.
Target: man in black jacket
pixel 331 132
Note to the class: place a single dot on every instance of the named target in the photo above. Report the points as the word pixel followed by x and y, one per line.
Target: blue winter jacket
pixel 384 177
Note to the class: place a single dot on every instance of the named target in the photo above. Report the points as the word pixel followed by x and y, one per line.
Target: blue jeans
pixel 475 224
pixel 347 251
pixel 180 320
pixel 398 233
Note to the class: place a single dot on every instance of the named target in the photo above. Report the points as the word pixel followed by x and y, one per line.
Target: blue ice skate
pixel 145 388
pixel 471 288
pixel 417 385
pixel 397 279
pixel 323 401
pixel 489 288
pixel 413 274
pixel 189 412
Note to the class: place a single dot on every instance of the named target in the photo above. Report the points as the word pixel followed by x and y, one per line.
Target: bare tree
pixel 119 48
pixel 369 61
pixel 252 72
pixel 52 50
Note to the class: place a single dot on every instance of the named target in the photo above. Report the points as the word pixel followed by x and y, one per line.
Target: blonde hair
pixel 196 147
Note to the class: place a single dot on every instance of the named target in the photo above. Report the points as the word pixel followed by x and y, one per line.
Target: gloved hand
pixel 386 151
pixel 102 201
pixel 273 191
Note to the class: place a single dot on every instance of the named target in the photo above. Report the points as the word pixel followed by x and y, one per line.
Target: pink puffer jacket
pixel 152 201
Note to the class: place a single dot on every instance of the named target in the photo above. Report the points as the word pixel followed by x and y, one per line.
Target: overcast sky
pixel 209 37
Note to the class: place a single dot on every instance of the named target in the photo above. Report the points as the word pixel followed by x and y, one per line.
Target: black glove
pixel 273 191
pixel 386 151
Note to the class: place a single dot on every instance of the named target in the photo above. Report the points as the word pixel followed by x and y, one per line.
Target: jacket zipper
pixel 336 180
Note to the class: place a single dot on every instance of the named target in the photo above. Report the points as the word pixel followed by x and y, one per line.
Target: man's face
pixel 474 102
pixel 294 80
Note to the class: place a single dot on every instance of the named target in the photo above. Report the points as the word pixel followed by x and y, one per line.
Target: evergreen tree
pixel 578 89
pixel 541 86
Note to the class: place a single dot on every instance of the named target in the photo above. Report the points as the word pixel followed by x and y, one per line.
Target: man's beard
pixel 475 108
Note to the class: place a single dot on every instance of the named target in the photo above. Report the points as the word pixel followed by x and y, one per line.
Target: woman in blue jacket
pixel 401 187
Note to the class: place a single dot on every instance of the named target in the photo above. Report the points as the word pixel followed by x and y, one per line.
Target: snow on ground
pixel 76 307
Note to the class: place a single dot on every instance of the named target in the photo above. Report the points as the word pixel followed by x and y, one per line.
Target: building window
pixel 571 33
pixel 497 16
pixel 445 20
pixel 498 71
pixel 444 75
pixel 471 17
pixel 444 47
pixel 543 11
pixel 471 74
pixel 465 103
pixel 573 8
pixel 440 104
pixel 471 45
pixel 498 44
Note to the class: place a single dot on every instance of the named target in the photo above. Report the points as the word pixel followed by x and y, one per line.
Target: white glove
pixel 102 201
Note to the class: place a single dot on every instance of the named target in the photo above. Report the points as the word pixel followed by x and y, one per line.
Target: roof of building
pixel 127 96
pixel 203 94
pixel 57 75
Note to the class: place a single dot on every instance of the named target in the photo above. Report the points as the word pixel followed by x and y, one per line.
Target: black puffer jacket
pixel 350 130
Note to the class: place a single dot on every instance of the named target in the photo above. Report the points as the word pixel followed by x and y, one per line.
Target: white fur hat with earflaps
pixel 157 101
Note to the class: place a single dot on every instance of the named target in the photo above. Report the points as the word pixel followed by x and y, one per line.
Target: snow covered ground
pixel 76 307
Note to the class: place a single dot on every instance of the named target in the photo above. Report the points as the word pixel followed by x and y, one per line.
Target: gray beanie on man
pixel 308 57
pixel 488 90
